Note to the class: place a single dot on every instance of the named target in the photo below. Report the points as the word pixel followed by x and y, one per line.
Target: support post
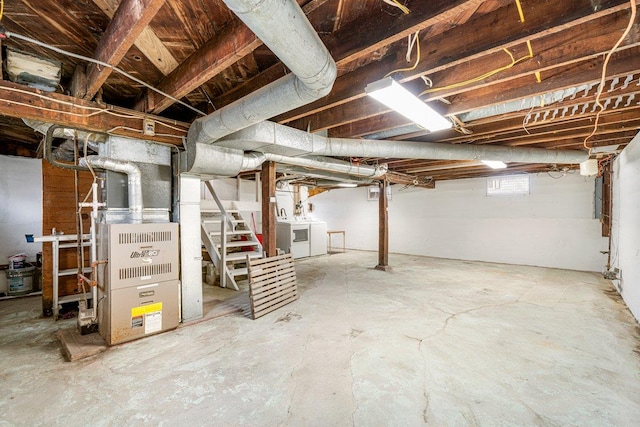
pixel 268 178
pixel 191 248
pixel 383 229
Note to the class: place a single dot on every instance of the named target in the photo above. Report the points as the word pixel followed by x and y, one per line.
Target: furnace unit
pixel 139 290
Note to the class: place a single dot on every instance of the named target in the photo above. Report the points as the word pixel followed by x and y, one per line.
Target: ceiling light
pixel 394 96
pixel 347 185
pixel 494 164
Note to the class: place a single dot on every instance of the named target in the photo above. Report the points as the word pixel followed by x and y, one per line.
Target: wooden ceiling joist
pixel 233 43
pixel 444 51
pixel 372 34
pixel 148 42
pixel 129 20
pixel 23 102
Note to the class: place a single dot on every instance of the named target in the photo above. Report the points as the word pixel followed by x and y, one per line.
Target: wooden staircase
pixel 228 239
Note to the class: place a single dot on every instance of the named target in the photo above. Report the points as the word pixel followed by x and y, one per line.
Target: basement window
pixel 508 185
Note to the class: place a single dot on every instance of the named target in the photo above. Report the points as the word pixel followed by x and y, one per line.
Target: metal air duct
pixel 284 28
pixel 253 161
pixel 134 181
pixel 269 136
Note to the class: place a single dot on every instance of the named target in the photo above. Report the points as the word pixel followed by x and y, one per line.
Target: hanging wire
pixel 485 75
pixel 624 35
pixel 399 5
pixel 413 40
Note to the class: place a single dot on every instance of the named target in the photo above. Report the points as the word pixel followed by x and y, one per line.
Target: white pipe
pixel 134 181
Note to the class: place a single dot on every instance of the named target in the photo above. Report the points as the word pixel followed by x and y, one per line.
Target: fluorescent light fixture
pixel 494 164
pixel 394 96
pixel 347 185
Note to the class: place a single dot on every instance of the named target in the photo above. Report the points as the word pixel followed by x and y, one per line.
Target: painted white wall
pixel 285 200
pixel 625 236
pixel 20 207
pixel 231 189
pixel 551 227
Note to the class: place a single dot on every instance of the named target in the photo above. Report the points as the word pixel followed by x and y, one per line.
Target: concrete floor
pixel 435 342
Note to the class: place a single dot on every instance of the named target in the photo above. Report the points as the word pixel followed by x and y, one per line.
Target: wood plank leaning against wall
pixel 59 211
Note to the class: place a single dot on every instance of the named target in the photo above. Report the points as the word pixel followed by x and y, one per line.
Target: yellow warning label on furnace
pixel 146 309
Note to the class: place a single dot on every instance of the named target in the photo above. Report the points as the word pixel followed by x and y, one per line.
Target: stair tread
pixel 218 220
pixel 229 211
pixel 231 233
pixel 239 243
pixel 239 271
pixel 243 255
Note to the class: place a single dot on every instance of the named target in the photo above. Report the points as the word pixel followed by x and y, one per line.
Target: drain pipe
pixel 283 27
pixel 134 180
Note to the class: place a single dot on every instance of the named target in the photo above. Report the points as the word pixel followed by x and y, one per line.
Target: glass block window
pixel 508 185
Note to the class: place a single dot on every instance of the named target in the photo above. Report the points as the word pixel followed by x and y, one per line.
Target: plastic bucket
pixel 20 280
pixel 17 261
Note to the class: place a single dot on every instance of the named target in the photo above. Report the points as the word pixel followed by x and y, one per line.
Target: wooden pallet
pixel 272 283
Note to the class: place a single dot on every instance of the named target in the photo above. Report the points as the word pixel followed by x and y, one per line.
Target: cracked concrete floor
pixel 435 342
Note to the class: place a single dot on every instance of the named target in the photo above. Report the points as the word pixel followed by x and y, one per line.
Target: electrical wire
pixel 520 12
pixel 10 34
pixel 95 112
pixel 411 42
pixel 485 75
pixel 605 64
pixel 399 5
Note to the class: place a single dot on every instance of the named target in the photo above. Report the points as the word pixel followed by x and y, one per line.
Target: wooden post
pixel 383 229
pixel 268 178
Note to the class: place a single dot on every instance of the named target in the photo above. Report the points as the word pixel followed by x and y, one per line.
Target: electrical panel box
pixel 139 286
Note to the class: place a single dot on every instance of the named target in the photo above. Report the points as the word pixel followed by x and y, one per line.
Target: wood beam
pixel 24 102
pixel 234 42
pixel 268 180
pixel 588 72
pixel 562 49
pixel 464 43
pixel 624 62
pixel 405 179
pixel 148 42
pixel 346 45
pixel 383 229
pixel 131 18
pixel 578 44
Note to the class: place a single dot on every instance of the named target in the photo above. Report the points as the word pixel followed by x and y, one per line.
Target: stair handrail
pixel 223 211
